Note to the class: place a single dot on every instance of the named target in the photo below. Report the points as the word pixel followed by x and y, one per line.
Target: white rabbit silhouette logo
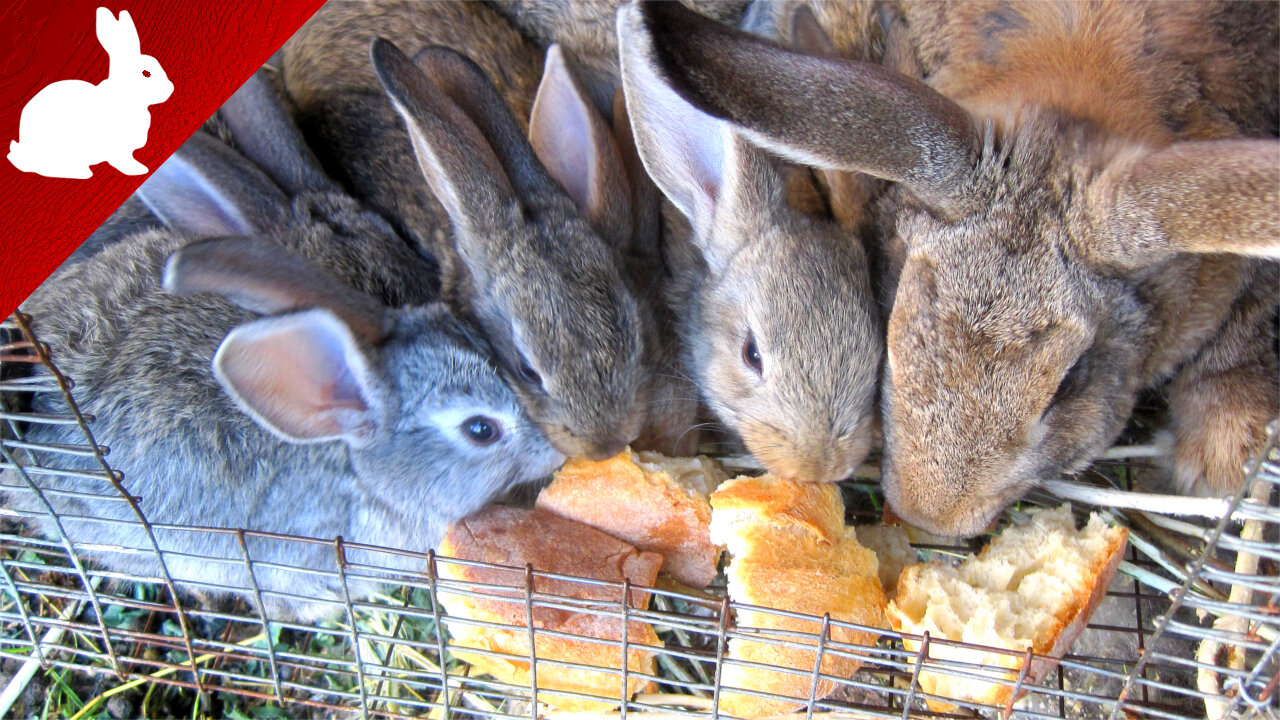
pixel 71 125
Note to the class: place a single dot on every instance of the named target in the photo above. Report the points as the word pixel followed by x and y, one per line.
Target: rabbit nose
pixel 606 449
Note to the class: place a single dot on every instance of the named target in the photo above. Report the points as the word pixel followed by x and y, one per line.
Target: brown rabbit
pixel 530 233
pixel 1074 197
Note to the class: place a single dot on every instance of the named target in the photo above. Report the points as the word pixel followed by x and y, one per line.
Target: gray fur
pixel 141 358
pixel 751 266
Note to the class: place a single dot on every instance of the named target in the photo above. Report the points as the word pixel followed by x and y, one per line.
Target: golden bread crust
pixel 791 552
pixel 665 502
pixel 551 544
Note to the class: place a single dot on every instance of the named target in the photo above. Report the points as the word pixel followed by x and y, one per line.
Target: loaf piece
pixel 1034 585
pixel 515 537
pixel 791 551
pixel 656 503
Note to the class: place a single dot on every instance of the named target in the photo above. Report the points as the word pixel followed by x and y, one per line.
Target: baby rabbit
pixel 779 323
pixel 72 125
pixel 539 225
pixel 290 375
pixel 1064 233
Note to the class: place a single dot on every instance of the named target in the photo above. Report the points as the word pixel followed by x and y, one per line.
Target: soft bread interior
pixel 1033 586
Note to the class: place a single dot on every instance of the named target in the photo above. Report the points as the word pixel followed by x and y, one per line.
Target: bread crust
pixel 792 552
pixel 665 501
pixel 551 544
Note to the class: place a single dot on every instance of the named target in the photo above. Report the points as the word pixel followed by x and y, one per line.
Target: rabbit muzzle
pixel 808 456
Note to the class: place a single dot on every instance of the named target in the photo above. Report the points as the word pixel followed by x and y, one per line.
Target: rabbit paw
pixel 129 166
pixel 1219 425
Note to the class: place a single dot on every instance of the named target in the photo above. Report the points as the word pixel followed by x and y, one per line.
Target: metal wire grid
pixel 386 654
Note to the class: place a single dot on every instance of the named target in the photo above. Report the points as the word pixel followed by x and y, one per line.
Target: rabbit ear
pixel 117 37
pixel 264 131
pixel 699 162
pixel 681 148
pixel 264 277
pixel 456 159
pixel 847 193
pixel 463 83
pixel 207 190
pixel 646 202
pixel 301 376
pixel 577 148
pixel 1215 196
pixel 818 111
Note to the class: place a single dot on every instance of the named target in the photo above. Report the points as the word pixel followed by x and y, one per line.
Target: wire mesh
pixel 1189 627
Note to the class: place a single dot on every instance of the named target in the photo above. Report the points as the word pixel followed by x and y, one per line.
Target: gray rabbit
pixel 290 375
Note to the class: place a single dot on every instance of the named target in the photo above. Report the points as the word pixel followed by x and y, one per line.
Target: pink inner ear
pixel 298 376
pixel 563 136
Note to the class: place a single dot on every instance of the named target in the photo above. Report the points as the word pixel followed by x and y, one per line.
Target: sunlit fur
pixel 1056 204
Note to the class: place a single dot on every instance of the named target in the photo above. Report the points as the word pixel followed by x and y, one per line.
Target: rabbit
pixel 586 30
pixel 531 234
pixel 72 125
pixel 1062 234
pixel 777 317
pixel 269 359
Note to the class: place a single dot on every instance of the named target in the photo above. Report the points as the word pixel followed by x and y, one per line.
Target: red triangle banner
pixel 207 49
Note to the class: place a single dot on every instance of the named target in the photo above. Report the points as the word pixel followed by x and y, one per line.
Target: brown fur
pixel 1046 227
pixel 586 29
pixel 326 70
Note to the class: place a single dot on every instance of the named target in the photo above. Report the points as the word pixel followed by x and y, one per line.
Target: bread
pixel 892 546
pixel 1034 585
pixel 791 551
pixel 516 537
pixel 656 503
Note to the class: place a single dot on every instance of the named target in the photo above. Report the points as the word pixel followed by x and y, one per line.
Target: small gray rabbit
pixel 1061 235
pixel 289 375
pixel 529 232
pixel 779 324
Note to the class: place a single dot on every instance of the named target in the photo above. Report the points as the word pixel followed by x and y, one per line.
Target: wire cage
pixel 1190 627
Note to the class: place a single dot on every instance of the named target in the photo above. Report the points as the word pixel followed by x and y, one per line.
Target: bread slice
pixel 656 503
pixel 791 551
pixel 1033 586
pixel 516 537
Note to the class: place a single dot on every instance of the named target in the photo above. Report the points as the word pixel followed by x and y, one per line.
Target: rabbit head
pixel 139 76
pixel 409 391
pixel 528 264
pixel 781 330
pixel 1022 325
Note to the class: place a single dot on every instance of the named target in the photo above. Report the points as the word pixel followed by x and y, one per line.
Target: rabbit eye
pixel 528 374
pixel 1072 382
pixel 481 430
pixel 751 355
pixel 146 73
